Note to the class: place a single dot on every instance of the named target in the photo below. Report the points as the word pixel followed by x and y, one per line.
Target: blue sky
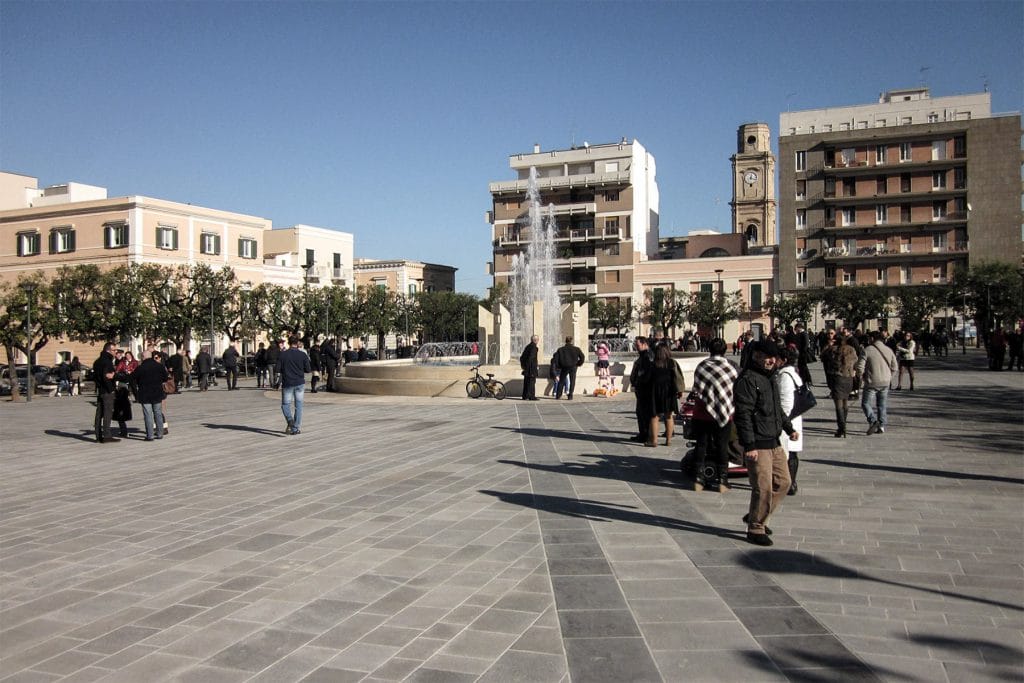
pixel 387 120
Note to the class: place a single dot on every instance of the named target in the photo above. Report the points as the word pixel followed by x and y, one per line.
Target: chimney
pixel 536 148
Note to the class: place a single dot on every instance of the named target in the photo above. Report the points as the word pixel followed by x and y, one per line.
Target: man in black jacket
pixel 103 376
pixel 570 357
pixel 528 362
pixel 759 422
pixel 148 380
pixel 329 356
pixel 230 358
pixel 273 353
pixel 640 381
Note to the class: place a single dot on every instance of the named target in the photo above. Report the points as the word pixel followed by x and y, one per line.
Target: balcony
pixel 895 198
pixel 569 290
pixel 845 255
pixel 576 262
pixel 561 182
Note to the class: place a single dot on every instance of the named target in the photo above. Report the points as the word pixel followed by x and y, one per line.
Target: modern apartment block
pixel 899 192
pixel 605 200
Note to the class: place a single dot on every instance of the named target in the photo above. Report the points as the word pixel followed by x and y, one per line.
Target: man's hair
pixel 717 347
pixel 108 346
pixel 875 335
pixel 568 340
pixel 293 340
pixel 642 340
pixel 156 355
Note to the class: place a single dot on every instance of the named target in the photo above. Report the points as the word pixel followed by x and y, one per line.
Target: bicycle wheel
pixel 473 389
pixel 499 390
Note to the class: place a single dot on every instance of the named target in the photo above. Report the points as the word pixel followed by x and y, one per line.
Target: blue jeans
pixel 151 411
pixel 290 395
pixel 869 398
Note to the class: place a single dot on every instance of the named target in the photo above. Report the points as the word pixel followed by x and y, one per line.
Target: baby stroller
pixel 689 464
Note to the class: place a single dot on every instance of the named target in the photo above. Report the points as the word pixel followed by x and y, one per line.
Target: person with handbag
pixel 150 380
pixel 789 383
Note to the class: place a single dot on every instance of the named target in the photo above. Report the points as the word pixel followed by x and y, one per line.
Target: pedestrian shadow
pixel 917 471
pixel 561 434
pixel 244 428
pixel 85 435
pixel 599 511
pixel 798 562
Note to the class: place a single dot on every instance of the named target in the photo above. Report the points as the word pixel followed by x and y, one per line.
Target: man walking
pixel 528 362
pixel 261 366
pixel 230 358
pixel 204 365
pixel 103 375
pixel 149 379
pixel 329 356
pixel 879 365
pixel 713 382
pixel 640 379
pixel 292 367
pixel 760 421
pixel 570 358
pixel 273 354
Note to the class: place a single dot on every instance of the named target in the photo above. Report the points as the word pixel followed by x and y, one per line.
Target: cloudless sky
pixel 388 120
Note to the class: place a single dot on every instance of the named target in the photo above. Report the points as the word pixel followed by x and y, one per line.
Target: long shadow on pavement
pixel 915 470
pixel 600 511
pixel 244 428
pixel 797 562
pixel 85 435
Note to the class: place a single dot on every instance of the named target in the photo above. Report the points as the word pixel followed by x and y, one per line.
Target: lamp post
pixel 720 332
pixel 30 289
pixel 963 329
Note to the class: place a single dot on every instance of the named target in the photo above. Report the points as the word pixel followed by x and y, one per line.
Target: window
pixel 115 235
pixel 756 297
pixel 905 151
pixel 166 237
pixel 960 147
pixel 938 211
pixel 612 250
pixel 905 275
pixel 849 187
pixel 879 123
pixel 826 128
pixel 907 120
pixel 881 276
pixel 937 274
pixel 611 225
pixel 209 243
pixel 849 216
pixel 28 243
pixel 862 124
pixel 246 247
pixel 62 240
pixel 938 180
pixel 905 214
pixel 801 278
pixel 933 118
pixel 611 167
pixel 801 190
pixel 880 153
pixel 905 182
pixel 830 186
pixel 960 206
pixel 310 258
pixel 412 289
pixel 611 276
pixel 849 156
pixel 939 242
pixel 611 196
pixel 881 214
pixel 801 219
pixel 830 272
pixel 959 178
pixel 938 150
pixel 849 277
pixel 801 161
pixel 904 245
pixel 830 216
pixel 881 184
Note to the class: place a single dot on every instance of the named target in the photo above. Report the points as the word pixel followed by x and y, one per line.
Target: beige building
pixel 304 254
pixel 903 191
pixel 405 276
pixel 605 201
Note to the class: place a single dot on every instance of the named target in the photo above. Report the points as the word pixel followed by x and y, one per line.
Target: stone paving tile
pixel 181 558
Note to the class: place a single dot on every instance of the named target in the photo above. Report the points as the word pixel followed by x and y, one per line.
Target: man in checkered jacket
pixel 712 383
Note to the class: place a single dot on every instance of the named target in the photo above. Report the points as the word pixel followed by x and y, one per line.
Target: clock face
pixel 750 177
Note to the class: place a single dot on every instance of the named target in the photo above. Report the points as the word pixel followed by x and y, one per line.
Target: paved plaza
pixel 456 540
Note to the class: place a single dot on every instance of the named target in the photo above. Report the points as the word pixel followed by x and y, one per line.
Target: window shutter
pixel 241 247
pixel 21 244
pixel 71 240
pixel 53 241
pixel 174 239
pixel 216 244
pixel 107 234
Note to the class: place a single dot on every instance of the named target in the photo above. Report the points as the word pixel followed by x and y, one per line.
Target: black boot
pixel 794 465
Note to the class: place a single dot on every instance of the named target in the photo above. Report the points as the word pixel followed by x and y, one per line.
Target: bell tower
pixel 753 185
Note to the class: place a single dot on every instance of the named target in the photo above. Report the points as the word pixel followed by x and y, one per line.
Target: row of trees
pixel 160 303
pixel 178 304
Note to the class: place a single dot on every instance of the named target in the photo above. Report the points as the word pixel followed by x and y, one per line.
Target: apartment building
pixel 405 276
pixel 605 202
pixel 303 254
pixel 899 192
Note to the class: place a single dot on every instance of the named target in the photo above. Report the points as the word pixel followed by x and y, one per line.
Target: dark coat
pixel 570 356
pixel 329 355
pixel 203 363
pixel 148 380
pixel 103 366
pixel 528 361
pixel 759 416
pixel 230 358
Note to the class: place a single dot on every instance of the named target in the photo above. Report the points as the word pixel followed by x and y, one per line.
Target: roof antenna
pixel 984 82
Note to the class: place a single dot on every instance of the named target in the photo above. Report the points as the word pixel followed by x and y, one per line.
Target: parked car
pixel 41 374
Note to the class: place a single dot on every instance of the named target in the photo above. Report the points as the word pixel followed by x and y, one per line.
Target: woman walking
pixel 788 380
pixel 840 360
pixel 666 389
pixel 906 351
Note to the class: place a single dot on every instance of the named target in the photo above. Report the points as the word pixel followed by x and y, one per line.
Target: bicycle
pixel 479 386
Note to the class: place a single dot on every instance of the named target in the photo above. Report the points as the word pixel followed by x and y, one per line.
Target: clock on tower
pixel 753 191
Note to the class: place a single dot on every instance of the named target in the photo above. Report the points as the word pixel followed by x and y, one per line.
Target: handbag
pixel 803 400
pixel 170 386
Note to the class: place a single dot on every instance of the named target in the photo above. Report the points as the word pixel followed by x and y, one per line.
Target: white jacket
pixel 788 381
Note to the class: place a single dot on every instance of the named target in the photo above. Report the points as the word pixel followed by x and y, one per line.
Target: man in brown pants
pixel 759 422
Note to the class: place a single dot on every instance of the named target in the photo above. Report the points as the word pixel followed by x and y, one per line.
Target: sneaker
pixel 296 431
pixel 759 539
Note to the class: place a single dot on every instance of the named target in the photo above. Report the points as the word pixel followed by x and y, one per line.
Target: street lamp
pixel 718 274
pixel 30 289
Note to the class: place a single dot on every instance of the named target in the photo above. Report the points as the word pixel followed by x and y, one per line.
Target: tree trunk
pixel 15 393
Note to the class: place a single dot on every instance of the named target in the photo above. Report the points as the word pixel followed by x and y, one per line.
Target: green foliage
pixel 712 311
pixel 610 315
pixel 994 294
pixel 915 304
pixel 788 310
pixel 855 304
pixel 445 316
pixel 665 309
